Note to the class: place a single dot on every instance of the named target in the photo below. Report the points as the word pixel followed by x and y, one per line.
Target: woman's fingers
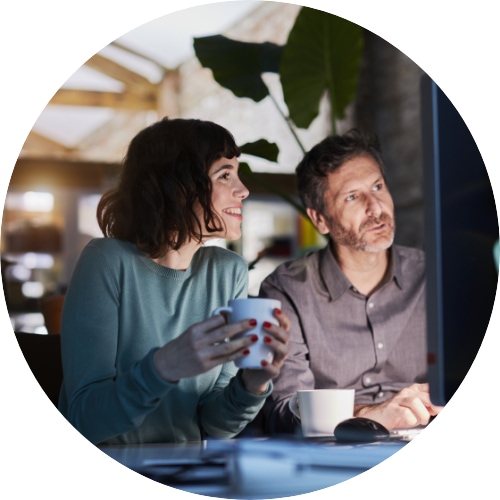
pixel 232 349
pixel 283 319
pixel 218 342
pixel 278 336
pixel 215 331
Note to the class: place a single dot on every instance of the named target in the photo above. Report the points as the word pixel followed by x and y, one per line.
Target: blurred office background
pixel 73 152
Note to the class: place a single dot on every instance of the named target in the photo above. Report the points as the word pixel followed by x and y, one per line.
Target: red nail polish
pixel 264 362
pixel 253 322
pixel 277 311
pixel 268 340
pixel 254 338
pixel 246 352
pixel 266 324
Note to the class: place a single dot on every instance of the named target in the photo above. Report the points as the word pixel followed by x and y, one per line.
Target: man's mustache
pixel 372 222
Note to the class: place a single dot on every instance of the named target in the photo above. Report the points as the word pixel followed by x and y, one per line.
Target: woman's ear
pixel 319 221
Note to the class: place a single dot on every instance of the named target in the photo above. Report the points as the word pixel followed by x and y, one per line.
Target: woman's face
pixel 228 193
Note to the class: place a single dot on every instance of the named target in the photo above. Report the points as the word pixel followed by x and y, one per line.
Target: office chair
pixel 43 355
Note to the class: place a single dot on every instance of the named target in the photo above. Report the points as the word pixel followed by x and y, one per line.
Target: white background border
pixel 43 43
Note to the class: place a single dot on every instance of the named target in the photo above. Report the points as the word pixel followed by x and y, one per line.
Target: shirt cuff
pixel 156 384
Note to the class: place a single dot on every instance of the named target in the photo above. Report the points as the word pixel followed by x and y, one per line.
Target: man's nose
pixel 374 207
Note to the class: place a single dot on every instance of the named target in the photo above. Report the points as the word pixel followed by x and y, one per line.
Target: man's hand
pixel 409 407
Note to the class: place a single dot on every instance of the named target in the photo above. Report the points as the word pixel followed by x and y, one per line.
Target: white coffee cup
pixel 261 310
pixel 320 410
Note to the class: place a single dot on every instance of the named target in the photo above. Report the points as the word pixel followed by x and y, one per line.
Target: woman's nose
pixel 241 190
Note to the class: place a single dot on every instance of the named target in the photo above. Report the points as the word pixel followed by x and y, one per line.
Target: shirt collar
pixel 335 280
pixel 337 283
pixel 397 274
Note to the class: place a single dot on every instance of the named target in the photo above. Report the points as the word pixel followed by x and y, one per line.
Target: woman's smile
pixel 233 212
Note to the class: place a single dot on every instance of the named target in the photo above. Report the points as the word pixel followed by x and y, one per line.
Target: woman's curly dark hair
pixel 165 172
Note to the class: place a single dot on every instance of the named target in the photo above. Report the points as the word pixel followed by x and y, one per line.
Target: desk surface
pixel 249 468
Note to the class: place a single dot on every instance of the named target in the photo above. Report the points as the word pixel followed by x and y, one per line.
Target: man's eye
pixel 351 197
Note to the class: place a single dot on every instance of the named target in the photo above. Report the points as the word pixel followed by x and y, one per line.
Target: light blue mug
pixel 260 309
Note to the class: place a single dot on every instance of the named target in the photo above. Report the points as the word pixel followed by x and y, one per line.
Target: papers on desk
pixel 253 468
pixel 192 467
pixel 274 468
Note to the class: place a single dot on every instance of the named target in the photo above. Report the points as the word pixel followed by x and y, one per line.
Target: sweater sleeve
pixel 98 401
pixel 225 412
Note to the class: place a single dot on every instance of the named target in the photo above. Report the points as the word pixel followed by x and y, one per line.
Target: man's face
pixel 359 208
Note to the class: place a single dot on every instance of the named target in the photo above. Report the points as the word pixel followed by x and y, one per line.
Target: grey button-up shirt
pixel 341 338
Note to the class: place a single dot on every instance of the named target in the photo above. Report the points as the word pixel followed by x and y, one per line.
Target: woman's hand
pixel 203 346
pixel 278 336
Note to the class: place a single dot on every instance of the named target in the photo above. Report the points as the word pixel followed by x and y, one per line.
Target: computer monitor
pixel 461 229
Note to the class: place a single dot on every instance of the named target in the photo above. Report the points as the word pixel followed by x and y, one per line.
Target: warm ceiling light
pixel 32 289
pixel 34 201
pixel 30 201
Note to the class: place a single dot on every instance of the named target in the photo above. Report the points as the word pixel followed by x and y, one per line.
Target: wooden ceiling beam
pixel 115 100
pixel 141 56
pixel 34 174
pixel 134 82
pixel 139 93
pixel 38 142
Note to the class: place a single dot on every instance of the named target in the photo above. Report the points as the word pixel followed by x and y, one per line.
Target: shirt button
pixel 380 394
pixel 380 345
pixel 371 305
pixel 368 380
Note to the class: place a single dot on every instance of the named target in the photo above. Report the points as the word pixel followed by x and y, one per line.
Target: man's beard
pixel 355 240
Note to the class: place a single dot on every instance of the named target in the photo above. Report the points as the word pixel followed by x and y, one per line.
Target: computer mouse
pixel 360 430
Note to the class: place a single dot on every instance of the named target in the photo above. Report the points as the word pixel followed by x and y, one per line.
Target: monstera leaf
pixel 323 53
pixel 238 66
pixel 261 148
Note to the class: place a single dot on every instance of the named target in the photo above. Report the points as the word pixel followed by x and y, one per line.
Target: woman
pixel 142 363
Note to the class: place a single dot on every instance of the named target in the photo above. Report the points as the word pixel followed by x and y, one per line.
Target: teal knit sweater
pixel 119 308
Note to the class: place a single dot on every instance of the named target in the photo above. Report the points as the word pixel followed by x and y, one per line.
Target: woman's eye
pixel 224 176
pixel 351 197
pixel 378 187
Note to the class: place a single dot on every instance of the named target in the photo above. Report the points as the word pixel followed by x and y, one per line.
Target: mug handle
pixel 221 309
pixel 293 404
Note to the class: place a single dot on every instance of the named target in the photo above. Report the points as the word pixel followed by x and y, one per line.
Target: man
pixel 358 305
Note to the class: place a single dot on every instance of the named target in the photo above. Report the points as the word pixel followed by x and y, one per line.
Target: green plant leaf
pixel 238 66
pixel 261 148
pixel 244 169
pixel 323 52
